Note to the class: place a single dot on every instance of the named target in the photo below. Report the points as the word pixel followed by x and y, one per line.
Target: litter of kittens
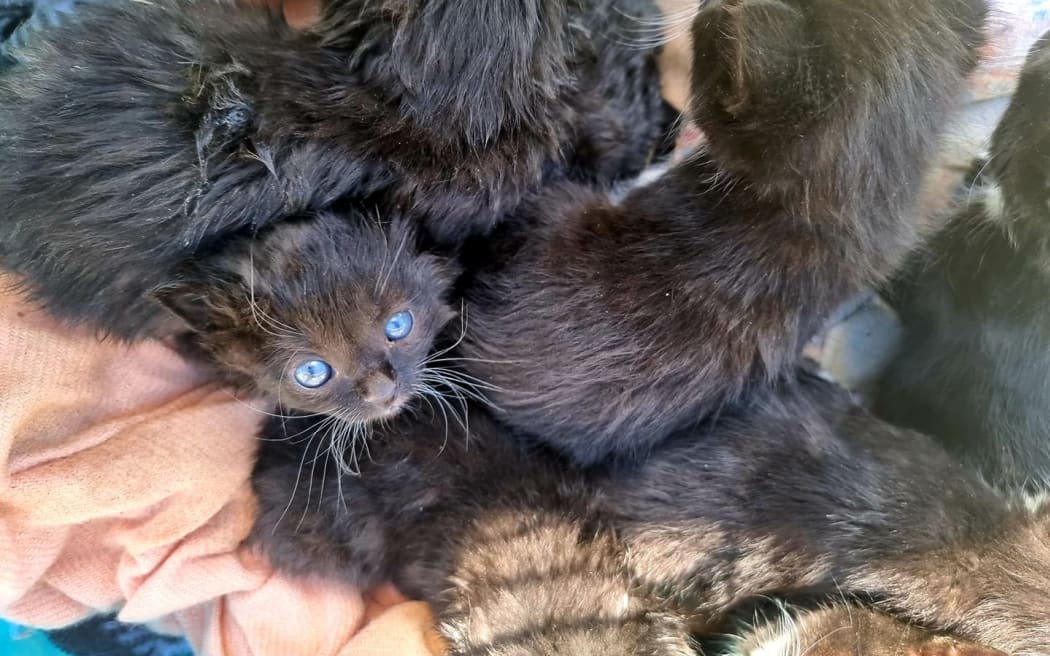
pixel 562 423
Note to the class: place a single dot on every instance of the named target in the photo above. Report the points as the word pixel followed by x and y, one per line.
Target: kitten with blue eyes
pixel 332 313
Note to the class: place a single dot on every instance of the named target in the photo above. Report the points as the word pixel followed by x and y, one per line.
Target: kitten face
pixel 332 314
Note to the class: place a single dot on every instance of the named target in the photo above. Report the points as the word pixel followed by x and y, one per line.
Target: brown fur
pixel 795 492
pixel 153 132
pixel 847 630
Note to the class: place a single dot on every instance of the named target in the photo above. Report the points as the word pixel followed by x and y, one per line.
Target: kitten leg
pixel 846 630
pixel 607 325
pixel 538 583
pixel 802 492
pixel 311 518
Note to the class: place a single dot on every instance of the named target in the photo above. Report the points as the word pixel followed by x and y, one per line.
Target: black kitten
pixel 331 313
pixel 796 491
pixel 136 135
pixel 611 325
pixel 974 368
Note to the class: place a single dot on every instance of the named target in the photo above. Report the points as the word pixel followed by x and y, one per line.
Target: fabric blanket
pixel 124 486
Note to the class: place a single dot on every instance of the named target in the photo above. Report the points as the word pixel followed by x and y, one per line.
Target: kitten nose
pixel 379 388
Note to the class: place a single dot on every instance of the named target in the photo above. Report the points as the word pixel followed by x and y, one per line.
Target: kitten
pixel 603 327
pixel 795 491
pixel 331 313
pixel 974 367
pixel 136 135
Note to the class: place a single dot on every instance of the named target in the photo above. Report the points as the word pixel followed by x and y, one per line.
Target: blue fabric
pixel 105 636
pixel 96 636
pixel 19 641
pixel 46 13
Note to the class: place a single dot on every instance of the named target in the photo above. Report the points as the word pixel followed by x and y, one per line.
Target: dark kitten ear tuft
pixel 202 307
pixel 446 269
pixel 185 303
pixel 223 108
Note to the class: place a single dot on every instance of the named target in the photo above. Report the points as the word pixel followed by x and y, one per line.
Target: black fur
pixel 608 326
pixel 141 134
pixel 974 368
pixel 795 491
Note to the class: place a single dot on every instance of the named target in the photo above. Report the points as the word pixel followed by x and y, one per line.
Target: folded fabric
pixel 124 486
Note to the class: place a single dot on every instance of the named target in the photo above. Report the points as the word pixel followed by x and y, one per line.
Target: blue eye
pixel 313 373
pixel 398 326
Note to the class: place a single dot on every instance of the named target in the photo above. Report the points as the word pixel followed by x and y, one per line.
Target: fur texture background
pixel 140 135
pixel 796 491
pixel 607 326
pixel 972 370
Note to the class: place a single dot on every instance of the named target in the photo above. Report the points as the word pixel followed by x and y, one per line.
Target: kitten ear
pixel 224 110
pixel 446 269
pixel 199 306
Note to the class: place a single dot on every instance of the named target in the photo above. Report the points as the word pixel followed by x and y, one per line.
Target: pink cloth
pixel 124 486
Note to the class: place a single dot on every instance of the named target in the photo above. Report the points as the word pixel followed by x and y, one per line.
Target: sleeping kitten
pixel 134 135
pixel 974 367
pixel 329 313
pixel 604 327
pixel 795 491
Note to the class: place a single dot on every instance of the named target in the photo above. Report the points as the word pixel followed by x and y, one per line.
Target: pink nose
pixel 378 388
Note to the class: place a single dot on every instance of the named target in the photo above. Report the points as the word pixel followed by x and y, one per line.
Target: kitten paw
pixel 311 524
pixel 746 49
pixel 950 647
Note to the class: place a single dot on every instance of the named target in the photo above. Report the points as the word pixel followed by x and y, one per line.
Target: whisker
pixel 459 391
pixel 295 489
pixel 393 262
pixel 462 332
pixel 452 379
pixel 653 31
pixel 310 486
pixel 466 378
pixel 291 438
pixel 260 411
pixel 465 359
pixel 324 478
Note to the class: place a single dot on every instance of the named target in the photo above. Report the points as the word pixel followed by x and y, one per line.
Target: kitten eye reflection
pixel 313 373
pixel 398 326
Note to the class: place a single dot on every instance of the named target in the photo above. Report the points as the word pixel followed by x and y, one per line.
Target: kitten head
pixel 1020 150
pixel 334 313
